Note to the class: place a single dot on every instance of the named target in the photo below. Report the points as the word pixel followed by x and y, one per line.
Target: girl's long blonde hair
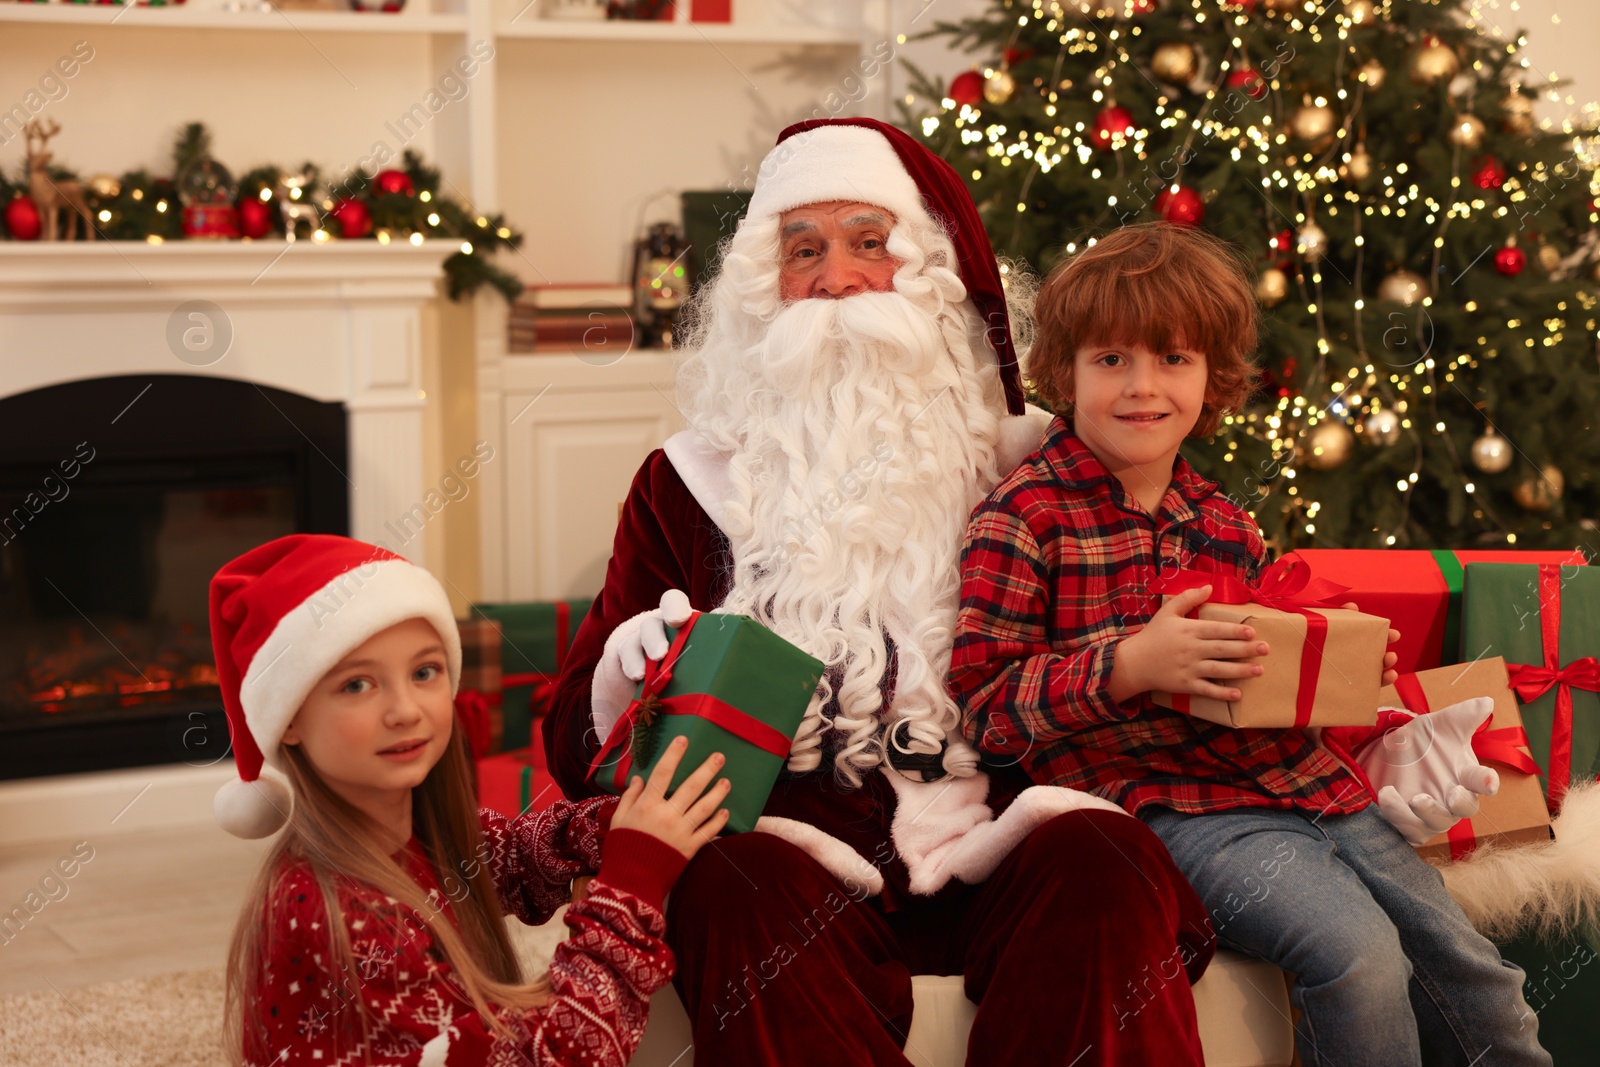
pixel 340 846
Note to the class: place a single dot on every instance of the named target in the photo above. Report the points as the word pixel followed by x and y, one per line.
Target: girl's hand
pixel 1182 655
pixel 1389 658
pixel 689 817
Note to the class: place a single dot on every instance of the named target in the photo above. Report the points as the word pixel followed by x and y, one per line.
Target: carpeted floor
pixel 171 1020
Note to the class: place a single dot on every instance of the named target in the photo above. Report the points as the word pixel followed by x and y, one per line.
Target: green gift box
pixel 729 685
pixel 1544 621
pixel 534 637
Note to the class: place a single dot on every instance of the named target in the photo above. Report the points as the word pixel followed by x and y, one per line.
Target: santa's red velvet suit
pixel 796 944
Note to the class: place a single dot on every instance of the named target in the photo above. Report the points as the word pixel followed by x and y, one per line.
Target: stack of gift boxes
pixel 510 657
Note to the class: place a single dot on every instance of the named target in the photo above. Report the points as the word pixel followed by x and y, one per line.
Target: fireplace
pixel 119 497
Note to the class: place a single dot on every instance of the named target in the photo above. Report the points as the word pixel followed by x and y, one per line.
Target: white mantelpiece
pixel 335 322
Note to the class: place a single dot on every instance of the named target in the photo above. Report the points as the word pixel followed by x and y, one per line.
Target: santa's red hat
pixel 872 162
pixel 282 616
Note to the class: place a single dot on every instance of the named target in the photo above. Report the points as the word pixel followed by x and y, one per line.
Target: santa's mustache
pixel 900 333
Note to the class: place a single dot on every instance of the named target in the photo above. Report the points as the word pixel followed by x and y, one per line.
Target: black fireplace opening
pixel 119 499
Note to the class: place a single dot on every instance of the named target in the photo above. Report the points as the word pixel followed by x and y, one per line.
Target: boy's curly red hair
pixel 1160 286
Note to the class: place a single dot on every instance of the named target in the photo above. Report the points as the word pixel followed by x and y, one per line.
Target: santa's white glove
pixel 1425 772
pixel 621 666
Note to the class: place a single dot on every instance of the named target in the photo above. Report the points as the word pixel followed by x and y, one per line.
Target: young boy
pixel 1145 339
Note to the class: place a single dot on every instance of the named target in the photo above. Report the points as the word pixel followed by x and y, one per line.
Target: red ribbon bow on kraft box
pixel 1326 662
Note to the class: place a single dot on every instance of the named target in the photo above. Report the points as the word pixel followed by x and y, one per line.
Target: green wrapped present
pixel 729 685
pixel 1544 621
pixel 534 637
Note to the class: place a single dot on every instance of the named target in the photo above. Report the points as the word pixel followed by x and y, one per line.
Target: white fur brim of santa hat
pixel 282 616
pixel 829 163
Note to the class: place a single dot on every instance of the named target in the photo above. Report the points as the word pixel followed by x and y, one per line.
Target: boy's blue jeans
pixel 1378 947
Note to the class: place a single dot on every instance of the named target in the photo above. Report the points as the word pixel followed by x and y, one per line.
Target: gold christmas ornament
pixel 1371 73
pixel 1359 166
pixel 1174 62
pixel 1467 131
pixel 1313 122
pixel 1433 63
pixel 1272 287
pixel 1360 12
pixel 1403 287
pixel 1540 492
pixel 1383 427
pixel 1311 242
pixel 1549 257
pixel 105 187
pixel 999 87
pixel 1491 453
pixel 1329 445
pixel 1519 112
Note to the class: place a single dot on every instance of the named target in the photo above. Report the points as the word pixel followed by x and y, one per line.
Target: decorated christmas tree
pixel 1426 252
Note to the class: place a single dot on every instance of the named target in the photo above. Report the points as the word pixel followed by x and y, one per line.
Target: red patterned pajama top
pixel 601 977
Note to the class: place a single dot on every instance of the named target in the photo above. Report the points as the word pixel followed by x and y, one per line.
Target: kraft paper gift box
pixel 729 685
pixel 479 697
pixel 1419 592
pixel 1325 664
pixel 1544 621
pixel 535 636
pixel 1516 814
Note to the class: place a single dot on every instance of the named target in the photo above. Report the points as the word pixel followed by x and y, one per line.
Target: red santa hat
pixel 282 616
pixel 872 162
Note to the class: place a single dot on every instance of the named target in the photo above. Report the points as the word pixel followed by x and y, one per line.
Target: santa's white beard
pixel 861 437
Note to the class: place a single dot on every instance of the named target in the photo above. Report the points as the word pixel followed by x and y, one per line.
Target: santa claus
pixel 852 392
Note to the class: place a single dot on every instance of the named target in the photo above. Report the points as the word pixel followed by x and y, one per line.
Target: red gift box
pixel 516 782
pixel 1419 592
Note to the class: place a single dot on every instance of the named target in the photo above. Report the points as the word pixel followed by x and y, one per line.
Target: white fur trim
pixel 319 632
pixel 834 163
pixel 253 810
pixel 838 858
pixel 1550 889
pixel 1020 435
pixel 611 691
pixel 704 471
pixel 944 830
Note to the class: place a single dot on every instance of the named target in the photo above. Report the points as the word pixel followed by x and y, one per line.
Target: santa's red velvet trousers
pixel 1079 949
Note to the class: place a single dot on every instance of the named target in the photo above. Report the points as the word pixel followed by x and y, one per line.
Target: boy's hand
pixel 1389 658
pixel 1182 655
pixel 689 817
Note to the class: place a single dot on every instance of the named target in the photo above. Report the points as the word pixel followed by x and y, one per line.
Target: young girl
pixel 374 932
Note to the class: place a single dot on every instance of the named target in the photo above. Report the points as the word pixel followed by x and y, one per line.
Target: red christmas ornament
pixel 1110 125
pixel 1250 80
pixel 967 89
pixel 1240 5
pixel 393 181
pixel 1281 245
pixel 355 220
pixel 1490 174
pixel 22 219
pixel 1510 260
pixel 211 220
pixel 1181 206
pixel 255 217
pixel 1142 7
pixel 1012 56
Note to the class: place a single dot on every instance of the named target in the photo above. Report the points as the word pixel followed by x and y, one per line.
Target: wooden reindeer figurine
pixel 50 196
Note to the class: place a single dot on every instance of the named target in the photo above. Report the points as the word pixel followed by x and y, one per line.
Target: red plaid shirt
pixel 1055 573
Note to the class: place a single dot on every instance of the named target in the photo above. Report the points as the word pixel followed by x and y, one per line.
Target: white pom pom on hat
pixel 282 616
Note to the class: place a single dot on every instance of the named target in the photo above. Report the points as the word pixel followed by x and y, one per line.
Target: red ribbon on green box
pixel 1286 585
pixel 650 703
pixel 1531 681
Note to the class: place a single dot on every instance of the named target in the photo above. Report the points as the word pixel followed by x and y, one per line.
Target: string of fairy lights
pixel 1313 164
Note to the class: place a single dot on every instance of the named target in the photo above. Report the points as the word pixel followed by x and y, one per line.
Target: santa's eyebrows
pixel 869 218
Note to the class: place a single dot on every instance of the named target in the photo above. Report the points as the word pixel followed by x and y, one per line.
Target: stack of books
pixel 571 317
